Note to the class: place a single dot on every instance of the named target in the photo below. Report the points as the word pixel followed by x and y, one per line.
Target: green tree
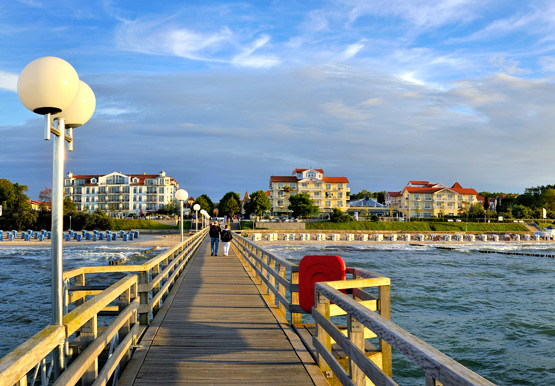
pixel 205 203
pixel 520 211
pixel 302 205
pixel 16 208
pixel 258 204
pixel 170 208
pixel 230 204
pixel 337 215
pixel 476 211
pixel 547 199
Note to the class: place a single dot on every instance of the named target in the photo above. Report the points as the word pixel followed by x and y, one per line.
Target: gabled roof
pixel 418 183
pixel 246 196
pixel 394 194
pixel 303 170
pixel 422 189
pixel 336 179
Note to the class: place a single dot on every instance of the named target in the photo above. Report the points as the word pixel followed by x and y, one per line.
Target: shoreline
pixel 143 241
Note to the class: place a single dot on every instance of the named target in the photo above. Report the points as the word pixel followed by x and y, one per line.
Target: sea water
pixel 25 277
pixel 493 313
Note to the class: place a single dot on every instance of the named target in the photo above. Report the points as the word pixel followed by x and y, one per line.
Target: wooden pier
pixel 217 329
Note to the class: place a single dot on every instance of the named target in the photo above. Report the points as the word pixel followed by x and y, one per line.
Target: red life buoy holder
pixel 317 268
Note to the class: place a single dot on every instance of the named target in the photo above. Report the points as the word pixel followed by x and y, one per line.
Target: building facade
pixel 327 192
pixel 120 195
pixel 422 199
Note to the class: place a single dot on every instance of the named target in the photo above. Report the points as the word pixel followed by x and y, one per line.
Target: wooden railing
pixel 278 277
pixel 126 306
pixel 365 303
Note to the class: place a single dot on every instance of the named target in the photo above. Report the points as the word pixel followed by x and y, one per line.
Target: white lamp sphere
pixel 181 195
pixel 48 85
pixel 82 108
pixel 196 207
pixel 203 212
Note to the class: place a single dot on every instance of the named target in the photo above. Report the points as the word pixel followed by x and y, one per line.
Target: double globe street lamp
pixel 196 208
pixel 181 195
pixel 50 86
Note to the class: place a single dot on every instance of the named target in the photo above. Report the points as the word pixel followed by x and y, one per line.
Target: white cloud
pixel 8 81
pixel 248 58
pixel 352 50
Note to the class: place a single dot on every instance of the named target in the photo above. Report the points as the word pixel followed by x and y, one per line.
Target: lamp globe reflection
pixel 48 85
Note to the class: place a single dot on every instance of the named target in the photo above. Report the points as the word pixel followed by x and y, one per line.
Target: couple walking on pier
pixel 216 233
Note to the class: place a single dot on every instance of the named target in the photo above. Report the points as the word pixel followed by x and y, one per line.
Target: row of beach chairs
pixel 390 237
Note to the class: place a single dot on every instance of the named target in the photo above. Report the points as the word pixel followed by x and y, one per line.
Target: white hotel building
pixel 119 194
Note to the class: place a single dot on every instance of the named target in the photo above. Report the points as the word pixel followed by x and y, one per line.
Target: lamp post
pixel 50 86
pixel 203 213
pixel 196 208
pixel 181 195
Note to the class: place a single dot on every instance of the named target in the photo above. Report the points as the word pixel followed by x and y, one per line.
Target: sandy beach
pixel 144 240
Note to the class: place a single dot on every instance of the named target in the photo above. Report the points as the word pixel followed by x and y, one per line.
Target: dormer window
pixel 135 180
pixel 93 181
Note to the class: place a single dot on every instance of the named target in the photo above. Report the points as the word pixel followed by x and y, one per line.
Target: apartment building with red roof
pixel 422 199
pixel 326 192
pixel 118 194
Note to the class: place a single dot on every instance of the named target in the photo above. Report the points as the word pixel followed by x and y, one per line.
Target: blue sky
pixel 222 95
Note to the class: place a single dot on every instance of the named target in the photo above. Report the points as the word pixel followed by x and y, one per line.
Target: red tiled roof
pixel 456 185
pixel 246 196
pixel 394 194
pixel 336 179
pixel 465 191
pixel 419 182
pixel 422 189
pixel 283 179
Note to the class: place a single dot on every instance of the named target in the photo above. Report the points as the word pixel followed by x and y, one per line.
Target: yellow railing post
pixel 89 332
pixel 385 311
pixel 281 288
pixel 295 317
pixel 144 318
pixel 323 307
pixel 272 279
pixel 356 336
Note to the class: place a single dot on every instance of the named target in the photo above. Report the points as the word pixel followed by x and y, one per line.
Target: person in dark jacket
pixel 226 237
pixel 214 233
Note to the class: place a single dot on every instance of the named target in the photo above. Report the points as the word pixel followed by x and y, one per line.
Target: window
pixel 161 198
pixel 417 196
pixel 280 184
pixel 340 203
pixel 339 186
pixel 280 202
pixel 316 194
pixel 328 186
pixel 416 205
pixel 161 189
pixel 427 205
pixel 340 195
pixel 460 197
pixel 292 185
pixel 450 196
pixel 328 204
pixel 428 197
pixel 304 185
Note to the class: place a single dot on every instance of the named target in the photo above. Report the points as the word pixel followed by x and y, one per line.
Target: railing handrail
pixel 435 364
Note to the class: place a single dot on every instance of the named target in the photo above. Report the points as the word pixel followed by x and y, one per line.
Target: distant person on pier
pixel 214 233
pixel 226 237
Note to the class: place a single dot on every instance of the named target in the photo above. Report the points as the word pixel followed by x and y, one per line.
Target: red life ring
pixel 317 268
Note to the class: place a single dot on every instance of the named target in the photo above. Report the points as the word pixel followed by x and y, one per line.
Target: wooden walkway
pixel 217 329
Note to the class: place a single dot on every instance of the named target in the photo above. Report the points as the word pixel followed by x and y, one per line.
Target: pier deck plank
pixel 218 331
